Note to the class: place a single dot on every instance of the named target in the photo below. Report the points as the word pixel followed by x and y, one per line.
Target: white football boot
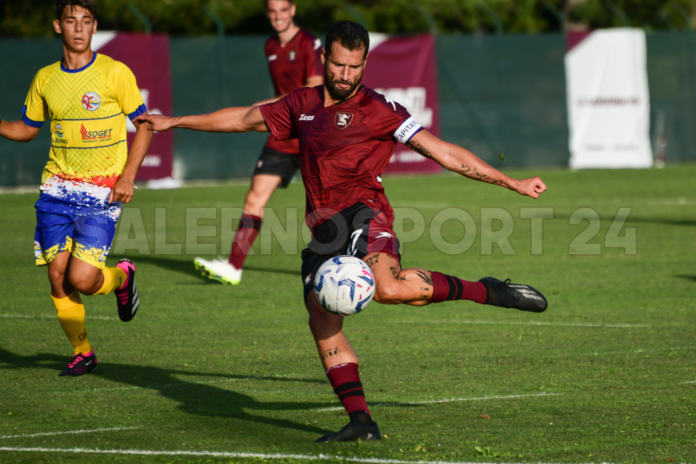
pixel 219 269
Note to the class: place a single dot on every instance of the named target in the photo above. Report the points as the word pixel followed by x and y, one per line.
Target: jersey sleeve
pixel 126 91
pixel 35 111
pixel 389 119
pixel 312 54
pixel 279 117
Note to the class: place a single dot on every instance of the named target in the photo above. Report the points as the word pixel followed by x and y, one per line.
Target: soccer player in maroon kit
pixel 294 61
pixel 347 135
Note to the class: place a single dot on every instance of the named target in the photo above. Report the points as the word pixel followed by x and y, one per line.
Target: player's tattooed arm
pixel 473 173
pixel 464 162
pixel 419 148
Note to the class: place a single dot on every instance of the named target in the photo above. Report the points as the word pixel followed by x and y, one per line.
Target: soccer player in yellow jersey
pixel 88 176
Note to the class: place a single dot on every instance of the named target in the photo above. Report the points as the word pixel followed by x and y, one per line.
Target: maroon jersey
pixel 344 148
pixel 290 67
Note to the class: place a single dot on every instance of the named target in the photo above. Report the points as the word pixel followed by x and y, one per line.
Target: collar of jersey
pixel 289 41
pixel 64 69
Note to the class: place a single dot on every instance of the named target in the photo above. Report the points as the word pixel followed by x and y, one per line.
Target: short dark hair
pixel 265 2
pixel 349 34
pixel 88 5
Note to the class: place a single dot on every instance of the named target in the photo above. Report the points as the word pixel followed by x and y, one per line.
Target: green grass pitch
pixel 607 374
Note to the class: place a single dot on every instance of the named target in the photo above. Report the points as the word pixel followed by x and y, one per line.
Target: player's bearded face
pixel 343 71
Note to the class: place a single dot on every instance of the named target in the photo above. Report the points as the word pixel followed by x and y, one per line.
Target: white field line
pixel 70 432
pixel 49 316
pixel 228 454
pixel 449 400
pixel 690 381
pixel 552 324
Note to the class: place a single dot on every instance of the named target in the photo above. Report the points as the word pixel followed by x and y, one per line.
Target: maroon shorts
pixel 356 231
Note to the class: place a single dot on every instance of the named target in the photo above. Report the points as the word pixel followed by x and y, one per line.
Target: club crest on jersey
pixel 91 101
pixel 343 120
pixel 292 55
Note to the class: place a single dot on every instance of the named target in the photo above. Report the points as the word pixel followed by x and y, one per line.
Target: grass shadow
pixel 170 264
pixel 195 398
pixel 186 266
pixel 687 277
pixel 273 270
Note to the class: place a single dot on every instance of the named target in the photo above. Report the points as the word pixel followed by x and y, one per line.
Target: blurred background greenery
pixel 22 18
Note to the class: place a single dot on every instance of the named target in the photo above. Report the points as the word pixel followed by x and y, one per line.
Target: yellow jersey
pixel 87 108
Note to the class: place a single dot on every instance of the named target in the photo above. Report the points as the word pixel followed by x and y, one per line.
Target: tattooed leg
pixel 396 286
pixel 327 329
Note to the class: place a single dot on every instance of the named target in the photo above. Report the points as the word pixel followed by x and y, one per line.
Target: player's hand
pixel 155 122
pixel 122 191
pixel 532 187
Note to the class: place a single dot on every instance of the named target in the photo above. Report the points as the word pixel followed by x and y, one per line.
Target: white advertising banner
pixel 608 100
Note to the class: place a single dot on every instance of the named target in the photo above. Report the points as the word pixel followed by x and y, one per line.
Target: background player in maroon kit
pixel 347 135
pixel 294 61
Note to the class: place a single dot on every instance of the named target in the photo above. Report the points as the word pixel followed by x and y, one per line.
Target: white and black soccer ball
pixel 344 285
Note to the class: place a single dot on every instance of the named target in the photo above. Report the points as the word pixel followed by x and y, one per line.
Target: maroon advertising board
pixel 148 57
pixel 405 70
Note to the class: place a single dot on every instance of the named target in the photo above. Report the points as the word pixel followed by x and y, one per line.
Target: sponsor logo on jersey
pixel 58 132
pixel 292 55
pixel 307 280
pixel 272 57
pixel 306 117
pixel 343 120
pixel 94 135
pixel 91 101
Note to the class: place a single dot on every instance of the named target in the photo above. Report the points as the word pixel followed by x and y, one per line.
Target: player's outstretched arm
pixel 462 161
pixel 17 131
pixel 236 119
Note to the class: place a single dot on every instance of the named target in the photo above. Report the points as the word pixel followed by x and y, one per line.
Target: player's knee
pixel 388 292
pixel 324 324
pixel 254 202
pixel 85 284
pixel 56 276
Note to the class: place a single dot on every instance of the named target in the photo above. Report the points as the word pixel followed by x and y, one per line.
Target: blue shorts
pixel 85 232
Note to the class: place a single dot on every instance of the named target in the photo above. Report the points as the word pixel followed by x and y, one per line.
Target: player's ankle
pixel 362 416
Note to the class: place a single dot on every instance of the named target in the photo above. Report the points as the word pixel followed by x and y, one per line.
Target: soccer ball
pixel 344 285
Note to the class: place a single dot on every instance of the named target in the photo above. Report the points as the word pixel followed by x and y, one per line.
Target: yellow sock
pixel 114 277
pixel 71 315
